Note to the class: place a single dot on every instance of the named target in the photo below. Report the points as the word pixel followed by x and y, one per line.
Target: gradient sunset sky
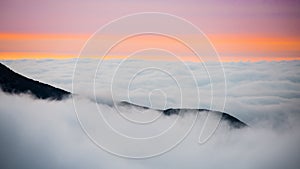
pixel 240 30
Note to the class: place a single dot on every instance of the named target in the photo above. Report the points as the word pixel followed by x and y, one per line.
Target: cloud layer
pixel 46 134
pixel 259 90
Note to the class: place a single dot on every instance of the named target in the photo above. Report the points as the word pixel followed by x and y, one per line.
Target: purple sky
pixel 243 29
pixel 271 17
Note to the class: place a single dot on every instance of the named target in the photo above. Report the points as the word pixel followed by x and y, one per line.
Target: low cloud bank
pixel 255 91
pixel 46 134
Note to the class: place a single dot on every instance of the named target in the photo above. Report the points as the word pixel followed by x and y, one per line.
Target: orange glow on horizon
pixel 16 56
pixel 34 55
pixel 231 48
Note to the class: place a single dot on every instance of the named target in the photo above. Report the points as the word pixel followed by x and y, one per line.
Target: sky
pixel 240 30
pixel 49 34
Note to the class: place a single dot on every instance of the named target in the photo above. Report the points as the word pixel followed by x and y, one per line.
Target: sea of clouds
pixel 46 134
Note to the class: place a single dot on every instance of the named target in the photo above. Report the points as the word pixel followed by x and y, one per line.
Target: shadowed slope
pixel 232 121
pixel 14 83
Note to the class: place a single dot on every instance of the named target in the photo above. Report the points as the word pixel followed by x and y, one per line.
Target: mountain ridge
pixel 14 83
pixel 233 121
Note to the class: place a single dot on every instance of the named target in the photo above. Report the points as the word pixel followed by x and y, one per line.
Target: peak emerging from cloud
pixel 15 83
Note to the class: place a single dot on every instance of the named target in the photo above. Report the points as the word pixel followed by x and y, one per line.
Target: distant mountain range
pixel 14 83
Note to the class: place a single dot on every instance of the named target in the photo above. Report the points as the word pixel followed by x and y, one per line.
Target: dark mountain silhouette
pixel 14 83
pixel 232 121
